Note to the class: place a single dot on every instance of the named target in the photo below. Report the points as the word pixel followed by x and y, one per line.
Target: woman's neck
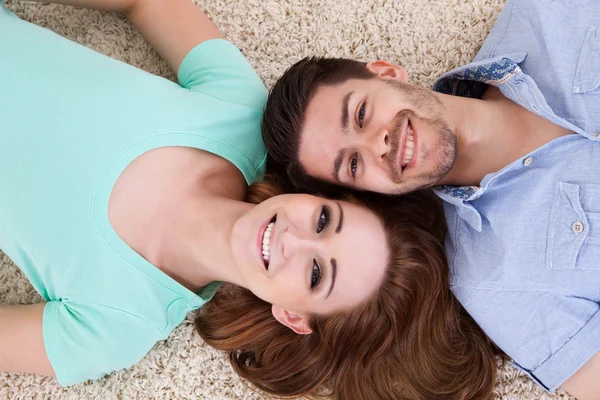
pixel 176 207
pixel 194 247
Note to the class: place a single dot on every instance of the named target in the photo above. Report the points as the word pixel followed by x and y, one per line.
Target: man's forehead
pixel 328 101
pixel 321 137
pixel 337 90
pixel 317 151
pixel 323 114
pixel 321 133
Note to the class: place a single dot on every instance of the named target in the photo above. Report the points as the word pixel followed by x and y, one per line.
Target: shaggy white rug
pixel 427 37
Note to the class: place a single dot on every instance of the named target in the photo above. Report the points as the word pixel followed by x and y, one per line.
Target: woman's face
pixel 308 254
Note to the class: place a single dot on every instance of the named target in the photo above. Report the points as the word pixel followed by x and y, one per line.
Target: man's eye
pixel 323 219
pixel 354 165
pixel 361 115
pixel 315 276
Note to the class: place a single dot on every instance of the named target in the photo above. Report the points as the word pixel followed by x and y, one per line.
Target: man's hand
pixel 585 383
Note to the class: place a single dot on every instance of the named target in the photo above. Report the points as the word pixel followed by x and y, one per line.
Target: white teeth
pixel 267 242
pixel 410 147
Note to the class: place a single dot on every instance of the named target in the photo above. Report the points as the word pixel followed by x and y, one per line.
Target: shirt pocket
pixel 574 230
pixel 587 72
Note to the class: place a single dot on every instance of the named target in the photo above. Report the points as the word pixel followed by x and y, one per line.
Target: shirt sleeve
pixel 87 341
pixel 217 68
pixel 548 335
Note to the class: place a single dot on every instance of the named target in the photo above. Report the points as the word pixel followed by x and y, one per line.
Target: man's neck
pixel 492 132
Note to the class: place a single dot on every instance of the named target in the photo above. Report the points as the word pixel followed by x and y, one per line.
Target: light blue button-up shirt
pixel 524 245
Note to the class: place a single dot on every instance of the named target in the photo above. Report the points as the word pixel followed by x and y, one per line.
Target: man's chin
pixel 421 184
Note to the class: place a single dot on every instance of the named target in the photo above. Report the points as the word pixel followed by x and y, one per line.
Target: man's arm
pixel 173 27
pixel 21 340
pixel 585 383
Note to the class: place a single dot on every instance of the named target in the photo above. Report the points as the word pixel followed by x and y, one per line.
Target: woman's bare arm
pixel 173 27
pixel 21 340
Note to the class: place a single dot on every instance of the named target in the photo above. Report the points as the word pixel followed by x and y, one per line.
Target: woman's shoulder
pixel 86 340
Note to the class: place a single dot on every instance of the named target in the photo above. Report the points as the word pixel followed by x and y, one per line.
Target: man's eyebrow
pixel 333 275
pixel 341 220
pixel 344 121
pixel 337 164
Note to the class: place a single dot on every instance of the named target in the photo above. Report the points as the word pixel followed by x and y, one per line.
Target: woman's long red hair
pixel 411 339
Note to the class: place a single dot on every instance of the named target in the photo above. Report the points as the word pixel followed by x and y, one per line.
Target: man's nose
pixel 294 244
pixel 380 143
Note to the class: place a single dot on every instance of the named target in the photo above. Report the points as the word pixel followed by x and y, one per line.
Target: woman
pixel 122 204
pixel 409 340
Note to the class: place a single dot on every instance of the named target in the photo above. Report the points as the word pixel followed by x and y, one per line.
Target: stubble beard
pixel 444 158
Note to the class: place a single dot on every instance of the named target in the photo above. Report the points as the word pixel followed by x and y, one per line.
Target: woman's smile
pixel 294 250
pixel 265 233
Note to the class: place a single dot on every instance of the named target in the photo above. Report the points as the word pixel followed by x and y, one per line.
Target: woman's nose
pixel 294 244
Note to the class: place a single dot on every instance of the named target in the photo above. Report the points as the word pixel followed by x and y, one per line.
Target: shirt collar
pixel 471 81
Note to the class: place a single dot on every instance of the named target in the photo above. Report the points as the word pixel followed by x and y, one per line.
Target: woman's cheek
pixel 290 289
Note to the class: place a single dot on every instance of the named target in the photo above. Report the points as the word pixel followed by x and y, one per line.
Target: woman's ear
pixel 295 322
pixel 388 70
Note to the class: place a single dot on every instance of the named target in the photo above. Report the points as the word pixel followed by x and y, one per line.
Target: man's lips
pixel 413 160
pixel 408 128
pixel 402 144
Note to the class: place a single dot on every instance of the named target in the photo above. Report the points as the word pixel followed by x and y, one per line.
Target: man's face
pixel 380 134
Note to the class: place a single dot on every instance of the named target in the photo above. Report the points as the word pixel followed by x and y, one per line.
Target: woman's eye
pixel 315 276
pixel 353 165
pixel 323 219
pixel 361 115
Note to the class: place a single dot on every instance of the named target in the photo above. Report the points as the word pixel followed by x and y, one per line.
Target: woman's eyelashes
pixel 324 218
pixel 315 275
pixel 316 272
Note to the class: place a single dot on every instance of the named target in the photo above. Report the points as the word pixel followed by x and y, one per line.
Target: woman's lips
pixel 259 241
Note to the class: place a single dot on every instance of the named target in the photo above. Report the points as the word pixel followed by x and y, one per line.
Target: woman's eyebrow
pixel 333 275
pixel 341 219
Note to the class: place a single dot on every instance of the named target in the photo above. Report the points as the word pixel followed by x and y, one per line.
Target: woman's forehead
pixel 361 256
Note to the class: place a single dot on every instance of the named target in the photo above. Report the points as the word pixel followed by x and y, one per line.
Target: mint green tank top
pixel 71 120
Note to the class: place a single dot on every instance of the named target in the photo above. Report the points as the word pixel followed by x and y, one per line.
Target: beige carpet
pixel 426 37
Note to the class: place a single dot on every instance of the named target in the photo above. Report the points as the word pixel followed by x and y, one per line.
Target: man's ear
pixel 388 70
pixel 295 322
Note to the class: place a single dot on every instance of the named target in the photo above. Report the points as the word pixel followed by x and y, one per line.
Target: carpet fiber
pixel 427 37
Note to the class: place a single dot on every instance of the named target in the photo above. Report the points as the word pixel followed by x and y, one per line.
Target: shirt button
pixel 596 135
pixel 527 161
pixel 577 226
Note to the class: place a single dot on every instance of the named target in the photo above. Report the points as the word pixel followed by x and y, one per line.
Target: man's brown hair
pixel 283 118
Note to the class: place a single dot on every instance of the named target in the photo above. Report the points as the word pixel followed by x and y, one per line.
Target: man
pixel 510 142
